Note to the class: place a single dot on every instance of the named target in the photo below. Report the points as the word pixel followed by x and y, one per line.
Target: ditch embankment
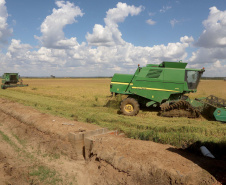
pixel 35 148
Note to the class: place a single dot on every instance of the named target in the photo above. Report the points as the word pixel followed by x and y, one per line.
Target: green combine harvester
pixel 12 80
pixel 165 86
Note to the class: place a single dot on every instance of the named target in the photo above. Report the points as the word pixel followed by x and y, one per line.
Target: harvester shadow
pixel 216 167
pixel 150 109
pixel 112 103
pixel 207 113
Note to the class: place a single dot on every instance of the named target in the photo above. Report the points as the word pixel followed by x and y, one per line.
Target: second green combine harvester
pixel 12 80
pixel 161 85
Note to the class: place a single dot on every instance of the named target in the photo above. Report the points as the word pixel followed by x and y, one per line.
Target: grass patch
pixel 21 151
pixel 52 156
pixel 22 142
pixel 37 173
pixel 45 175
pixel 8 140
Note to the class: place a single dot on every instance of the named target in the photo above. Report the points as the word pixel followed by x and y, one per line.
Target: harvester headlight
pixel 218 111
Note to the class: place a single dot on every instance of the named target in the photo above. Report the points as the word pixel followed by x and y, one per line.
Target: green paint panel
pixel 220 114
pixel 120 83
pixel 195 103
pixel 119 88
pixel 122 78
pixel 173 65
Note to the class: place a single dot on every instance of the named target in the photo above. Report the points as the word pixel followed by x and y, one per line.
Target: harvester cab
pixel 12 80
pixel 161 85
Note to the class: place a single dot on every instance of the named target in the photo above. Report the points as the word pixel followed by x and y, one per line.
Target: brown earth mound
pixel 29 139
pixel 127 161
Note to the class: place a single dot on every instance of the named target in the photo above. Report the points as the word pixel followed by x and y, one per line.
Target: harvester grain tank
pixel 12 80
pixel 161 85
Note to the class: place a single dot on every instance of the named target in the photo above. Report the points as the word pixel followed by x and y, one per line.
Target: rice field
pixel 88 100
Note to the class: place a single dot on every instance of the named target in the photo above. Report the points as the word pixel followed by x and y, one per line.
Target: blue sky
pixel 100 38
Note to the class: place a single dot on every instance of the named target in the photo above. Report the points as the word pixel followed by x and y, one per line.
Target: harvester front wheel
pixel 129 107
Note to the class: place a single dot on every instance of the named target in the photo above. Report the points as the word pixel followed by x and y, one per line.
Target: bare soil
pixel 145 162
pixel 29 139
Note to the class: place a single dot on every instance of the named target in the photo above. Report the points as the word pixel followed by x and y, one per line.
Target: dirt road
pixel 34 149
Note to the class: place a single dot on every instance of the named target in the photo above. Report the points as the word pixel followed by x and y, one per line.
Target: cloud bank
pixel 5 31
pixel 212 44
pixel 105 52
pixel 110 34
pixel 52 27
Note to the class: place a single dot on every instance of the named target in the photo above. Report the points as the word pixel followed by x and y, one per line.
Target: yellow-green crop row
pixel 88 100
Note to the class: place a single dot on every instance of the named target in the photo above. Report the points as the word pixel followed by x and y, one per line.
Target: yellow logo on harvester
pixel 121 83
pixel 145 88
pixel 154 89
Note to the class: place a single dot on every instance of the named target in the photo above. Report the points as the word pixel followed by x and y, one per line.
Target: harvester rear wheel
pixel 129 107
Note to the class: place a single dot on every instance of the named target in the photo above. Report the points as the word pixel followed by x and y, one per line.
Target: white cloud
pixel 151 13
pixel 173 22
pixel 66 57
pixel 214 34
pixel 122 55
pixel 217 64
pixel 52 27
pixel 150 21
pixel 17 50
pixel 118 14
pixel 213 59
pixel 164 9
pixel 83 60
pixel 110 34
pixel 214 69
pixel 101 36
pixel 104 53
pixel 212 43
pixel 186 39
pixel 5 31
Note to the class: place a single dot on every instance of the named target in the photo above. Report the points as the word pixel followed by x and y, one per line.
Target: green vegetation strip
pixel 8 140
pixel 45 175
pixel 37 173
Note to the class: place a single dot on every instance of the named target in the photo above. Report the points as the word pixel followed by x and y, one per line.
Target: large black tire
pixel 129 107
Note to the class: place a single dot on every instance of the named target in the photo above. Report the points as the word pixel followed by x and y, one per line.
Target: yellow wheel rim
pixel 128 108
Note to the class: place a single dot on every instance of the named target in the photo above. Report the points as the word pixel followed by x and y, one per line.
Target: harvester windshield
pixel 192 78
